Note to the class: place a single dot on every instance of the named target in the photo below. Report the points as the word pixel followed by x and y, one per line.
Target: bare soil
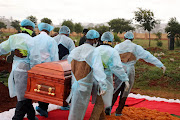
pixel 132 113
pixel 6 102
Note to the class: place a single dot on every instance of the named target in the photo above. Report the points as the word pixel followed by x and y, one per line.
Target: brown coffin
pixel 49 82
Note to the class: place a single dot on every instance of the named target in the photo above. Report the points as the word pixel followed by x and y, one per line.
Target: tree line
pixel 145 19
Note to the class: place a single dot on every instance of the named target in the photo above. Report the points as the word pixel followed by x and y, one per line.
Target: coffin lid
pixel 51 69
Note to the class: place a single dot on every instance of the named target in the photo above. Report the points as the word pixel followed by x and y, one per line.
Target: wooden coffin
pixel 49 82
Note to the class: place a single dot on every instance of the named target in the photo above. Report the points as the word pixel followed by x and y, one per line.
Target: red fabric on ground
pixel 129 102
pixel 63 114
pixel 172 108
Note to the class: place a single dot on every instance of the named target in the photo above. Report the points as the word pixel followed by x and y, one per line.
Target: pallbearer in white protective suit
pixel 86 63
pixel 17 81
pixel 44 50
pixel 65 43
pixel 112 65
pixel 130 53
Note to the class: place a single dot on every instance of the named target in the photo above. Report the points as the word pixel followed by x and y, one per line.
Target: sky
pixel 87 11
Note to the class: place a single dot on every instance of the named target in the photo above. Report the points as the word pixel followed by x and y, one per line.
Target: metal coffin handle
pixel 38 89
pixel 50 91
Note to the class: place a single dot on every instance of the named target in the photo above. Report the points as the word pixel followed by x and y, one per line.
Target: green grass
pixel 152 78
pixel 77 38
pixel 145 43
pixel 4 80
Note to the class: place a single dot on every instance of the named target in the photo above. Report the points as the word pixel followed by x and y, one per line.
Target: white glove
pixel 102 92
pixel 126 86
pixel 164 69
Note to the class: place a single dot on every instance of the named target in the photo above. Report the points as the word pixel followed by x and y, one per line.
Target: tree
pixel 33 19
pixel 120 25
pixel 46 20
pixel 102 29
pixel 78 28
pixel 158 35
pixel 146 19
pixel 56 29
pixel 173 28
pixel 15 24
pixel 116 38
pixel 69 24
pixel 2 25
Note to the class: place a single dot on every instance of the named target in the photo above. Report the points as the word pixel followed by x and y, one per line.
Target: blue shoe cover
pixel 42 112
pixel 65 108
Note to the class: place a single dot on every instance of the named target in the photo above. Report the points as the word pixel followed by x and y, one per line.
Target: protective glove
pixel 164 69
pixel 102 92
pixel 103 88
pixel 126 86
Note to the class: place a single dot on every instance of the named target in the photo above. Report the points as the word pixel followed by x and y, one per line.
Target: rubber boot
pixel 121 106
pixel 22 108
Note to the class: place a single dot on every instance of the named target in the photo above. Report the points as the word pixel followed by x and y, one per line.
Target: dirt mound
pixel 154 49
pixel 132 113
pixel 6 102
pixel 4 65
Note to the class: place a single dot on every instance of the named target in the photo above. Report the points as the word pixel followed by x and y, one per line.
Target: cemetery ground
pixel 149 80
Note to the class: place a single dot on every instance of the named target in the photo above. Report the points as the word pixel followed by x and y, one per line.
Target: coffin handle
pixel 38 89
pixel 50 90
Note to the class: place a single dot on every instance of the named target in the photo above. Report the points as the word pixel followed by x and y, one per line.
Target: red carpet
pixel 129 102
pixel 63 115
pixel 172 108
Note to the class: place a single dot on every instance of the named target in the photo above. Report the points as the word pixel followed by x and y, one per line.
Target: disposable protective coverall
pixel 85 64
pixel 65 46
pixel 17 81
pixel 44 50
pixel 21 65
pixel 130 53
pixel 112 65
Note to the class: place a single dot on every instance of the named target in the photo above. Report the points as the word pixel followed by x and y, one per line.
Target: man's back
pixel 130 53
pixel 44 49
pixel 65 45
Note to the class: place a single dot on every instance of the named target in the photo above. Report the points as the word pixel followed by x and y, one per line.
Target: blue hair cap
pixel 64 30
pixel 92 34
pixel 107 36
pixel 45 26
pixel 129 35
pixel 27 22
